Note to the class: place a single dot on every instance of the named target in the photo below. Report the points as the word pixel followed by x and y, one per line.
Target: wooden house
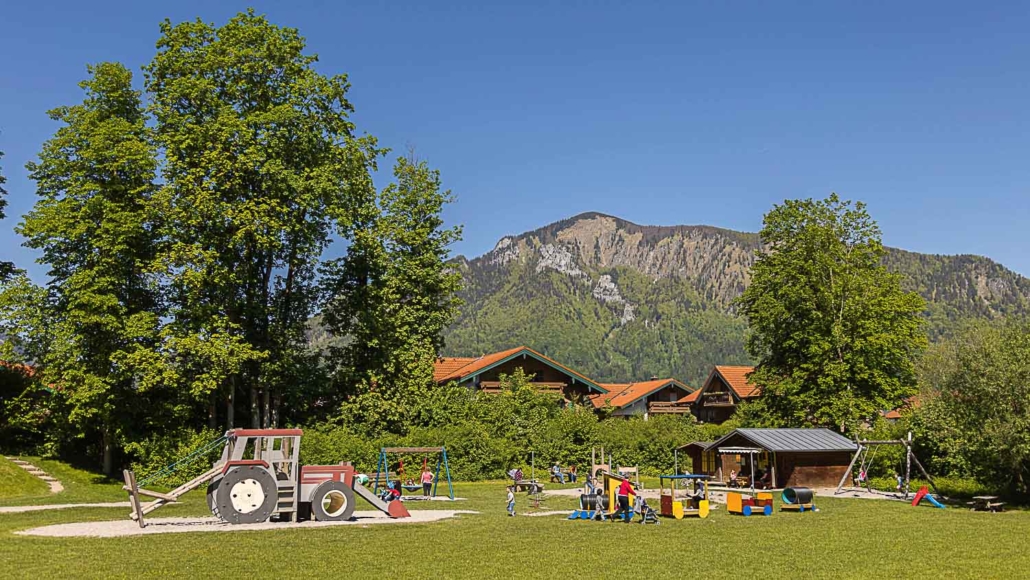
pixel 644 398
pixel 725 388
pixel 484 373
pixel 797 457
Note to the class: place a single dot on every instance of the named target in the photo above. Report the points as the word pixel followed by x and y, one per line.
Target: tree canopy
pixel 833 331
pixel 185 228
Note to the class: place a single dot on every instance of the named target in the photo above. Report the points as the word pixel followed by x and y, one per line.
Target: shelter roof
pixel 791 440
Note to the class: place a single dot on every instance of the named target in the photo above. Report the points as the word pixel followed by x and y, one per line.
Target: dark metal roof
pixel 701 444
pixel 796 440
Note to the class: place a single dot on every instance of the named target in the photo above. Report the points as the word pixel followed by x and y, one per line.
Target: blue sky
pixel 660 113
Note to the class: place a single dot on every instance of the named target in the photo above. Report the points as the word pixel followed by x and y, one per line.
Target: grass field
pixel 17 483
pixel 848 538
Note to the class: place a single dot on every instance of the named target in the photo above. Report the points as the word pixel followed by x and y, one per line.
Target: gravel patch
pixel 547 513
pixel 60 506
pixel 126 527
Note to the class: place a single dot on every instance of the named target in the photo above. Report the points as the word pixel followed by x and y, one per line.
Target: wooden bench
pixel 530 485
pixel 378 478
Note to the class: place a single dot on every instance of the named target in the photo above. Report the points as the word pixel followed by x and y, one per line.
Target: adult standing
pixel 427 482
pixel 623 494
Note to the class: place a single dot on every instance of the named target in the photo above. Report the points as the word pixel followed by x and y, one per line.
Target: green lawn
pixel 17 483
pixel 848 538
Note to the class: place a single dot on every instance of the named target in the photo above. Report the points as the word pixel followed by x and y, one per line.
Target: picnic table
pixel 530 485
pixel 986 503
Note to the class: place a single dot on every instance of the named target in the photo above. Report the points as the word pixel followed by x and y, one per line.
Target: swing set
pixel 383 469
pixel 866 454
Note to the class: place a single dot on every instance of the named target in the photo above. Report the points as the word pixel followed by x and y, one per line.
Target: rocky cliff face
pixel 626 301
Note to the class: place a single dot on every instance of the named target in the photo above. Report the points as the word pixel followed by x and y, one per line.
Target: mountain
pixel 620 302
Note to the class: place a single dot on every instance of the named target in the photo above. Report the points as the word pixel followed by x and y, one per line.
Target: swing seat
pixel 412 487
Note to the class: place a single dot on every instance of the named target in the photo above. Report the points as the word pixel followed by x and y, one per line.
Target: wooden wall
pixel 811 469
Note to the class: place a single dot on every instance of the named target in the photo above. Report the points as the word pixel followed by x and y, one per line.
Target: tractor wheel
pixel 245 495
pixel 332 501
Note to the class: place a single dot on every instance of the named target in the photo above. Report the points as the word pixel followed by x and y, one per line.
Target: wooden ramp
pixel 394 509
pixel 139 510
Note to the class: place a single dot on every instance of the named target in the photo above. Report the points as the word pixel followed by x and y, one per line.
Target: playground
pixel 847 538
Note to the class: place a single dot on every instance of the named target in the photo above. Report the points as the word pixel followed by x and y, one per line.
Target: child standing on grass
pixel 511 502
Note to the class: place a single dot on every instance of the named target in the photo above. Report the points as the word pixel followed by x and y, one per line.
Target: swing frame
pixel 864 446
pixel 383 467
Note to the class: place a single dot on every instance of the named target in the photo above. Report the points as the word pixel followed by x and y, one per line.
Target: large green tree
pixel 391 297
pixel 834 333
pixel 261 167
pixel 975 404
pixel 95 179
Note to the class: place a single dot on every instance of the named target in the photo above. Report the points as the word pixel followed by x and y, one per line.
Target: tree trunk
pixel 212 412
pixel 230 406
pixel 255 412
pixel 108 447
pixel 265 407
pixel 275 411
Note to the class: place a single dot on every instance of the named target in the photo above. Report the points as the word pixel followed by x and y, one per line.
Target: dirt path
pixel 55 486
pixel 17 509
pixel 126 527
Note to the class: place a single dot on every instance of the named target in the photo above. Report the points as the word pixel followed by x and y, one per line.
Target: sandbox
pixel 126 527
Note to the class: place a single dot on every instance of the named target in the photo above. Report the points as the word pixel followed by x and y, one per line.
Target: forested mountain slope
pixel 620 301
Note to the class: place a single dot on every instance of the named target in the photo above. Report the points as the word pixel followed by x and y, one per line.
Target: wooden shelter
pixel 796 457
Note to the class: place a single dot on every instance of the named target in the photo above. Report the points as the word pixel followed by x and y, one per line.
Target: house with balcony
pixel 726 387
pixel 645 398
pixel 484 372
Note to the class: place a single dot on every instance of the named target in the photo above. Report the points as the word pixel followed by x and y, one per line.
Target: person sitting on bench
pixel 556 473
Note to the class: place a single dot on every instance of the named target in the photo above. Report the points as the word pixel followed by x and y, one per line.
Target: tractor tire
pixel 245 495
pixel 332 501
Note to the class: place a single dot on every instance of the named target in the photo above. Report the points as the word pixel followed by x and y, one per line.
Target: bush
pixel 159 452
pixel 951 487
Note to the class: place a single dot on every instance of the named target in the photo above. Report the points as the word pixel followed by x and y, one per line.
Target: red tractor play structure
pixel 258 477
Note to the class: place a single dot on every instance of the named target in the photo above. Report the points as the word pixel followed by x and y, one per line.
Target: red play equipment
pixel 924 492
pixel 258 477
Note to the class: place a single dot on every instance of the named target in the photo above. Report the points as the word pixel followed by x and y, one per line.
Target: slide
pixel 924 492
pixel 394 509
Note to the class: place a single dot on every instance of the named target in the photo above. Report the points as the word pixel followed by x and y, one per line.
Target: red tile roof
pixel 622 394
pixel 691 398
pixel 736 378
pixel 446 366
pixel 452 369
pixel 28 370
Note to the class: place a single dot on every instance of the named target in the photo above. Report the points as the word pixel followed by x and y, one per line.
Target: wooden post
pixel 923 470
pixel 130 482
pixel 850 467
pixel 772 467
pixel 908 462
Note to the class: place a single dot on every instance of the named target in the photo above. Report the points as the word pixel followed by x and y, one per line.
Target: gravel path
pixel 547 513
pixel 17 509
pixel 126 527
